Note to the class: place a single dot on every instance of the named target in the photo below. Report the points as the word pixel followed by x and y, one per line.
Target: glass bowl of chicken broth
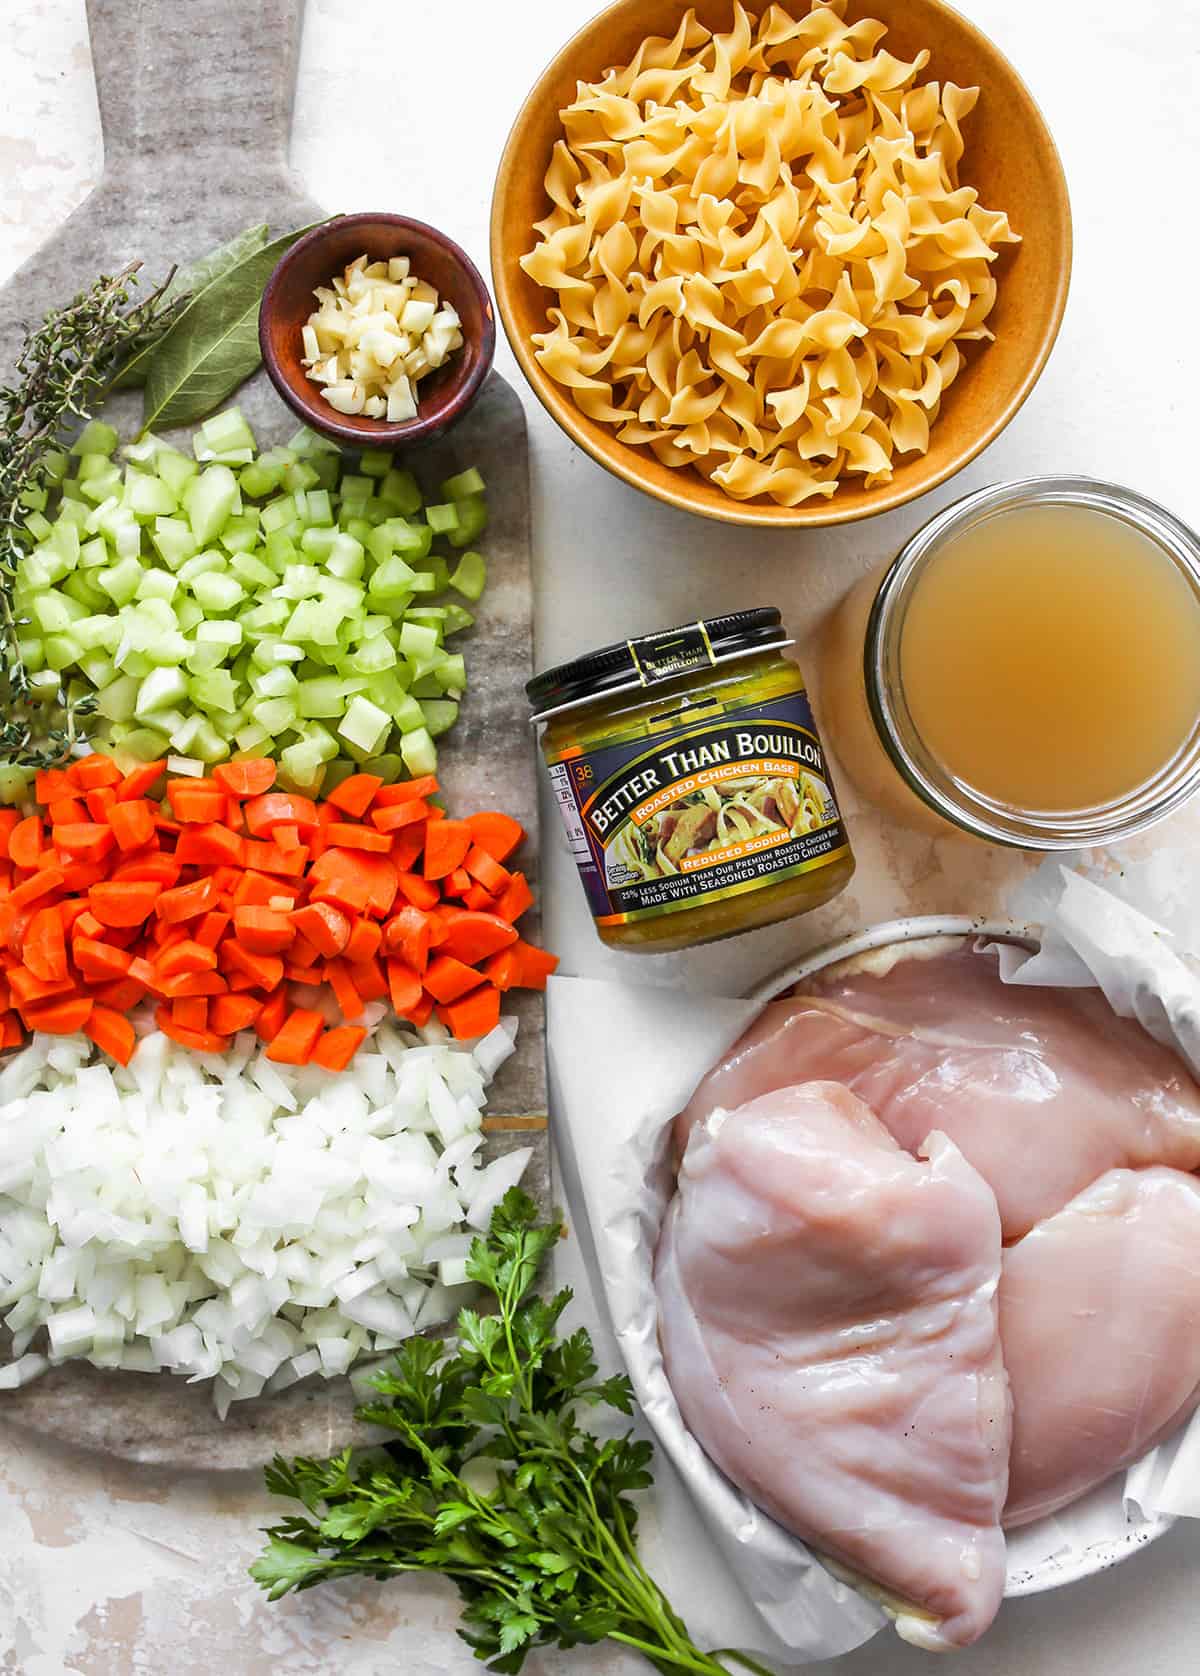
pixel 1027 670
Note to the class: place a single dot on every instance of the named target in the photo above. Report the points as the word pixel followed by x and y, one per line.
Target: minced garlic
pixel 377 331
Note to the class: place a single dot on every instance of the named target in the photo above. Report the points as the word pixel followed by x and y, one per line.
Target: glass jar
pixel 692 783
pixel 864 696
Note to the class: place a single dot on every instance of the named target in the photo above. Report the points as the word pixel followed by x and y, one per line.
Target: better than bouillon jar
pixel 692 782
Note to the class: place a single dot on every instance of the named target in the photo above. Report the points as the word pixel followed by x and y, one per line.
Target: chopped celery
pixel 210 500
pixel 442 519
pixel 470 575
pixel 283 605
pixel 464 485
pixel 419 752
pixel 440 715
pixel 365 724
pixel 95 438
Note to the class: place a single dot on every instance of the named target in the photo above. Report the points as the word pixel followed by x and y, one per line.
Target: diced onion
pixel 220 1217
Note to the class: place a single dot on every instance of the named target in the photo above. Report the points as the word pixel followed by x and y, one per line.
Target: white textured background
pixel 404 105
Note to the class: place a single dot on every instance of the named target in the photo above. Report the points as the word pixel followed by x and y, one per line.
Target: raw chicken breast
pixel 1043 1090
pixel 1100 1322
pixel 827 1313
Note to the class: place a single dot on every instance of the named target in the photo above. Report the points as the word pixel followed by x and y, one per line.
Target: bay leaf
pixel 212 347
pixel 193 280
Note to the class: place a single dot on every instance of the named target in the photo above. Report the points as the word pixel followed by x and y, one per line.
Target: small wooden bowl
pixel 1010 158
pixel 443 396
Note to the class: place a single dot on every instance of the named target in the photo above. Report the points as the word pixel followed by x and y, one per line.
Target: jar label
pixel 703 811
pixel 659 657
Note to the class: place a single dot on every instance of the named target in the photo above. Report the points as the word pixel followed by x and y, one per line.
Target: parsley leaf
pixel 488 1477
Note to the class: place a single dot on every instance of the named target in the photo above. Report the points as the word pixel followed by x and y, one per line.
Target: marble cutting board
pixel 195 104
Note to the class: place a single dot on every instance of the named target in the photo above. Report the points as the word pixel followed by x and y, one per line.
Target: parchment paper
pixel 623 1060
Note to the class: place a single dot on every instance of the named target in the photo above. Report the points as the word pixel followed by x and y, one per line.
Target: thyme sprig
pixel 64 368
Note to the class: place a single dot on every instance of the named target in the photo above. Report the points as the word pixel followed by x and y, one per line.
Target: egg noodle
pixel 764 264
pixel 714 818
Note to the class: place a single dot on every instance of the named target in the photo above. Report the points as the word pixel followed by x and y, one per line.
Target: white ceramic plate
pixel 1100 1530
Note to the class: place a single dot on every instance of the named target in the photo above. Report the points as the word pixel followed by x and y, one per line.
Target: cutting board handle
pixel 178 81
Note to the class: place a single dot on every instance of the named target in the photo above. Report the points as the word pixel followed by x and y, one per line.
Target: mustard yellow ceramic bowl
pixel 1011 160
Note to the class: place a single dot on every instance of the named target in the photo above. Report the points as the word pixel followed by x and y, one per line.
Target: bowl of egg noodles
pixel 781 264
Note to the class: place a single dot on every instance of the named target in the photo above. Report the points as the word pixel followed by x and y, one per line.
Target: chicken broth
pixel 1027 669
pixel 1050 658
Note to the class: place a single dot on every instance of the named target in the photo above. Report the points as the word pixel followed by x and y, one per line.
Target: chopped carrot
pixel 497 833
pixel 116 899
pixel 273 858
pixel 422 1012
pixel 99 962
pixel 185 957
pixel 25 842
pixel 27 987
pixel 364 941
pixel 408 934
pixel 484 867
pixel 45 947
pixel 85 839
pixel 535 966
pixel 65 809
pixel 230 1013
pixel 128 902
pixel 52 783
pixel 404 986
pixel 446 845
pixel 139 780
pixel 265 971
pixel 45 882
pixel 111 1033
pixel 255 890
pixel 191 1011
pixel 9 819
pixel 424 786
pixel 278 808
pixel 447 978
pixel 275 1010
pixel 82 875
pixel 132 823
pixel 263 930
pixel 472 937
pixel 473 1015
pixel 337 1046
pixel 193 983
pixel 355 794
pixel 294 1042
pixel 400 815
pixel 337 975
pixel 325 927
pixel 61 1016
pixel 250 777
pixel 100 801
pixel 418 891
pixel 185 902
pixel 515 899
pixel 200 1041
pixel 213 927
pixel 201 801
pixel 209 844
pixel 369 979
pixel 94 773
pixel 150 864
pixel 350 837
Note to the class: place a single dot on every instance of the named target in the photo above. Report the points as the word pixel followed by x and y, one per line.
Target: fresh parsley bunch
pixel 490 1479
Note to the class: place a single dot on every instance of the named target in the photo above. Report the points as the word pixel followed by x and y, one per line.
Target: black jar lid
pixel 655 657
